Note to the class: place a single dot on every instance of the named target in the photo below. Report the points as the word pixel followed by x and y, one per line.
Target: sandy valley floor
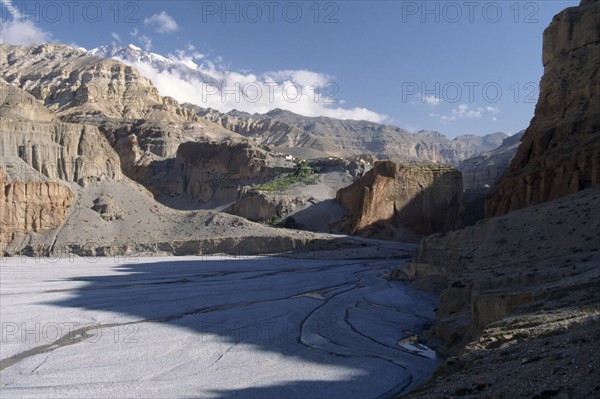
pixel 209 327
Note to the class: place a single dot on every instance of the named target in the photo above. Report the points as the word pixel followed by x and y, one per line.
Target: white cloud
pixel 431 100
pixel 293 90
pixel 116 37
pixel 163 22
pixel 186 59
pixel 134 32
pixel 464 111
pixel 19 30
pixel 146 42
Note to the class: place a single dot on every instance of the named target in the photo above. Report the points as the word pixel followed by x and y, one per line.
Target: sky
pixel 457 67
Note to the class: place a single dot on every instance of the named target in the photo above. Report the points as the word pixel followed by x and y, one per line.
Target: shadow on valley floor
pixel 332 313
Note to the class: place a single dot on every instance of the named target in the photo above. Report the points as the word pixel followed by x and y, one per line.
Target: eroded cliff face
pixel 65 151
pixel 27 206
pixel 44 163
pixel 421 197
pixel 560 152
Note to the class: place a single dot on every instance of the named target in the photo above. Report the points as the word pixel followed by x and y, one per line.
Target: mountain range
pixel 311 137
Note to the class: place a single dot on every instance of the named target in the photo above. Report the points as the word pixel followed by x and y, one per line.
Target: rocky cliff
pixel 502 261
pixel 41 159
pixel 515 289
pixel 560 152
pixel 35 143
pixel 425 198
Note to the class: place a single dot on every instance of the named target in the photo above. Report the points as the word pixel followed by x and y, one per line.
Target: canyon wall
pixel 539 248
pixel 560 151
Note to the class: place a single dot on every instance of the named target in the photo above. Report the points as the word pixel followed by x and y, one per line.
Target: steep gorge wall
pixel 70 152
pixel 540 242
pixel 560 152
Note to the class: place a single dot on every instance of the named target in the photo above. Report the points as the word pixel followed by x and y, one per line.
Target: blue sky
pixel 455 67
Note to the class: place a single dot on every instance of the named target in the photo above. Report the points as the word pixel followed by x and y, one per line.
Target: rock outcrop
pixel 424 198
pixel 560 152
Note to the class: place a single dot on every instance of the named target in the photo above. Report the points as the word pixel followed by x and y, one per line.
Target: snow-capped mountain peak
pixel 131 54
